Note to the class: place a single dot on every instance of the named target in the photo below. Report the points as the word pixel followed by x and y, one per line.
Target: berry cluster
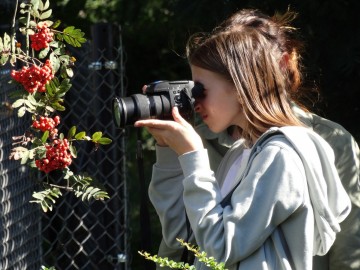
pixel 34 78
pixel 58 156
pixel 47 123
pixel 40 40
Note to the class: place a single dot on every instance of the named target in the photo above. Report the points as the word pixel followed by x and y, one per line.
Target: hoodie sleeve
pixel 270 192
pixel 165 193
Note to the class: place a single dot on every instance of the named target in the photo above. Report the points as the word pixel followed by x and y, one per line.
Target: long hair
pixel 247 49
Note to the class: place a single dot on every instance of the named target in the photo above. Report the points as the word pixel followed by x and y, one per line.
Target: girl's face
pixel 220 107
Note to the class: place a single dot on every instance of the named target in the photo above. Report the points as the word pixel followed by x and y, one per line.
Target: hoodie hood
pixel 331 204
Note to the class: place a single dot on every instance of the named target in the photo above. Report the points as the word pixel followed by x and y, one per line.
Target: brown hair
pixel 248 49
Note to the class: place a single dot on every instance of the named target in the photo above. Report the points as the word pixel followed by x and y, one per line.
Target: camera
pixel 157 102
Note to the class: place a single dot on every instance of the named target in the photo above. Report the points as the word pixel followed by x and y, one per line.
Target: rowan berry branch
pixel 44 80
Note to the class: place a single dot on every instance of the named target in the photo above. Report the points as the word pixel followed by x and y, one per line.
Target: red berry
pixel 34 78
pixel 58 156
pixel 41 39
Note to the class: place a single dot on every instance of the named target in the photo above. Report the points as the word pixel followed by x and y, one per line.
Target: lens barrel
pixel 126 111
pixel 158 101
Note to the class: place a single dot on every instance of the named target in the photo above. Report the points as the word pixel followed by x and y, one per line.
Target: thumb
pixel 178 118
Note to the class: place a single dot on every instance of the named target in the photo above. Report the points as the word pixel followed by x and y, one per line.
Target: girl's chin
pixel 215 129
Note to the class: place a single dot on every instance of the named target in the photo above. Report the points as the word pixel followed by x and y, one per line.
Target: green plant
pixel 47 268
pixel 43 81
pixel 202 257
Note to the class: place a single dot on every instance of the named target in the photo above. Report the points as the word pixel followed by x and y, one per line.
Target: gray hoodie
pixel 286 208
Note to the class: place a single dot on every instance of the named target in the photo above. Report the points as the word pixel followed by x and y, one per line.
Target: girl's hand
pixel 178 134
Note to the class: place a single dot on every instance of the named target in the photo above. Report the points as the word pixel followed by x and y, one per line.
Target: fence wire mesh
pixel 81 235
pixel 19 220
pixel 75 234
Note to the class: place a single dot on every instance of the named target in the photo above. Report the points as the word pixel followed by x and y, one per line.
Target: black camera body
pixel 157 102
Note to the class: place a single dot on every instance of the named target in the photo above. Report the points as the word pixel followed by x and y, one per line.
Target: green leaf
pixel 73 36
pixel 13 59
pixel 56 81
pixel 72 132
pixel 69 72
pixel 55 62
pixel 56 24
pixel 21 112
pixel 30 106
pixel 31 153
pixel 96 136
pixel 54 44
pixel 46 198
pixel 45 136
pixel 50 89
pixel 32 24
pixel 7 42
pixel 88 192
pixel 64 87
pixel 43 53
pixel 4 59
pixel 104 141
pixel 45 15
pixel 39 196
pixel 49 109
pixel 73 151
pixel 57 106
pixel 67 173
pixel 32 99
pixel 29 31
pixel 59 36
pixel 65 59
pixel 5 47
pixel 37 142
pixel 44 6
pixel 80 135
pixel 25 157
pixel 18 103
pixel 35 4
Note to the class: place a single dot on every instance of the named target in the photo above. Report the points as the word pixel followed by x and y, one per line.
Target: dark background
pixel 154 33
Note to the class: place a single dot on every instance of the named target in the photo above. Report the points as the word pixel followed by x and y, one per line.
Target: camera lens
pixel 117 112
pixel 126 111
pixel 160 98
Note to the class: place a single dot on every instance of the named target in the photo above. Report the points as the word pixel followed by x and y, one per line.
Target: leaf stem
pixel 62 187
pixel 13 31
pixel 27 34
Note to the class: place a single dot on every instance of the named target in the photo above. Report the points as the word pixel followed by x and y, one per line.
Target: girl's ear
pixel 284 62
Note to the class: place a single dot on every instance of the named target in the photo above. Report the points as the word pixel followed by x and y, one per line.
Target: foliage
pixel 43 81
pixel 202 257
pixel 47 268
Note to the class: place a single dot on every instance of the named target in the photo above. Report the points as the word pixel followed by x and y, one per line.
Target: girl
pixel 276 199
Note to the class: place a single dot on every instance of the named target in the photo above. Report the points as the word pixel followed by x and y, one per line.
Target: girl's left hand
pixel 178 134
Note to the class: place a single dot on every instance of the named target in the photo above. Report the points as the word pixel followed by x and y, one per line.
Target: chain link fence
pixel 19 219
pixel 76 234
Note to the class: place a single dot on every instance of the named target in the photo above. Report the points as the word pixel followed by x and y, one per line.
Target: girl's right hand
pixel 178 134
